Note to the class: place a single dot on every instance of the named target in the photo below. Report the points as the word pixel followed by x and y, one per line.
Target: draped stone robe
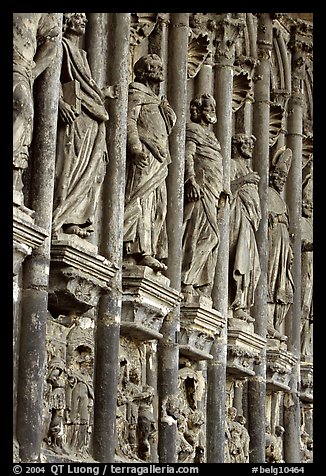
pixel 200 231
pixel 150 122
pixel 81 148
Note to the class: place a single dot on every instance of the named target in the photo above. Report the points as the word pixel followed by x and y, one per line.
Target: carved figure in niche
pixel 150 121
pixel 274 445
pixel 81 146
pixel 244 437
pixel 146 430
pixel 191 418
pixel 136 424
pixel 307 269
pixel 79 401
pixel 35 38
pixel 57 380
pixel 245 215
pixel 234 435
pixel 280 281
pixel 306 448
pixel 204 195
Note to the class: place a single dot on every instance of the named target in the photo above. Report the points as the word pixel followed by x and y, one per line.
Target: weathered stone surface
pixel 162 255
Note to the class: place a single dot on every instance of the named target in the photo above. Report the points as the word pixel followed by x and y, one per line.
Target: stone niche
pixel 243 350
pixel 200 324
pixel 147 298
pixel 68 392
pixel 279 365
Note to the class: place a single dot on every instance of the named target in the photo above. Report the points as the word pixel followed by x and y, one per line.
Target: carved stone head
pixel 149 67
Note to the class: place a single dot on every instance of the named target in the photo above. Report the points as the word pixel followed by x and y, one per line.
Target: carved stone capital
pixel 279 366
pixel 77 276
pixel 306 384
pixel 244 348
pixel 142 25
pixel 147 298
pixel 228 28
pixel 199 325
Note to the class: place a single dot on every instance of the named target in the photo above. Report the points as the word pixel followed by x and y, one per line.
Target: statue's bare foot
pixel 188 292
pixel 274 334
pixel 243 315
pixel 76 230
pixel 153 263
pixel 205 290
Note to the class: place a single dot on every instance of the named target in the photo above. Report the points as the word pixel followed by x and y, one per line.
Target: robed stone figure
pixel 280 259
pixel 245 215
pixel 150 121
pixel 203 192
pixel 81 147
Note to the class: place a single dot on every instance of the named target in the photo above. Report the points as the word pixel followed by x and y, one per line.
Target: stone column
pixel 109 315
pixel 168 351
pixel 257 384
pixel 97 45
pixel 294 199
pixel 36 266
pixel 158 44
pixel 226 31
pixel 204 79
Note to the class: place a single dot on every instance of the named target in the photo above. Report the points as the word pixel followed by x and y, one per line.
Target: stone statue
pixel 81 147
pixel 234 438
pixel 306 448
pixel 35 38
pixel 245 215
pixel 150 121
pixel 280 281
pixel 204 191
pixel 274 445
pixel 57 380
pixel 307 269
pixel 79 402
pixel 244 438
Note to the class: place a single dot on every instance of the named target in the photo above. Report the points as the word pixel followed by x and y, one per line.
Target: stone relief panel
pixel 191 418
pixel 74 291
pixel 150 121
pixel 306 440
pixel 69 394
pixel 136 424
pixel 236 449
pixel 274 427
pixel 35 39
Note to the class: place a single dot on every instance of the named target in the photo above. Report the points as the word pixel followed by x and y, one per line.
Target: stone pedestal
pixel 244 347
pixel 306 384
pixel 26 235
pixel 147 298
pixel 199 325
pixel 77 275
pixel 279 363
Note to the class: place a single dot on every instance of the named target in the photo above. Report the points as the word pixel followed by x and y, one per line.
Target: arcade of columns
pixel 163 243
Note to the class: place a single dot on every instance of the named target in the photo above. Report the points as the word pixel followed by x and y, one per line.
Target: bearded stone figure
pixel 204 195
pixel 150 121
